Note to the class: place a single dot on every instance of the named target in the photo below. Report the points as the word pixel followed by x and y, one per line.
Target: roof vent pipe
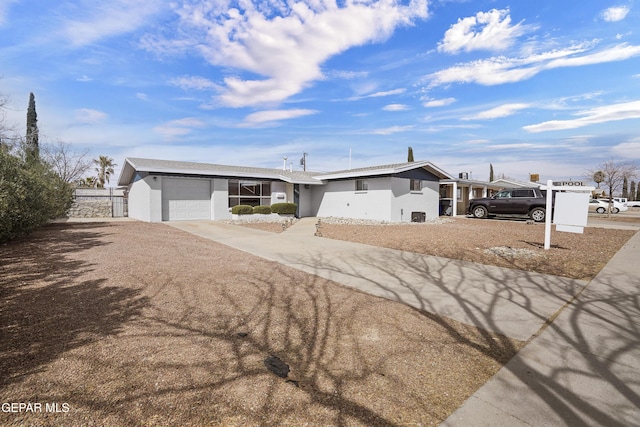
pixel 284 163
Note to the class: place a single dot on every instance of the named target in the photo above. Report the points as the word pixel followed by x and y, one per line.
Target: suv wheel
pixel 601 210
pixel 479 212
pixel 537 214
pixel 616 210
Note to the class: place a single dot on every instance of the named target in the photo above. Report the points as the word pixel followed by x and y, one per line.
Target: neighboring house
pixel 162 190
pixel 464 190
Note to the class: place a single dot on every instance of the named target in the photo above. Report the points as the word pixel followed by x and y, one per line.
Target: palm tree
pixel 104 169
pixel 598 177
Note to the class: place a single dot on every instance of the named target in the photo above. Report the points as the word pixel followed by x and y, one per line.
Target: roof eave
pixel 386 171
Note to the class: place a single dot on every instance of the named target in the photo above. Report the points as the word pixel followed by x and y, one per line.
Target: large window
pixel 415 185
pixel 252 193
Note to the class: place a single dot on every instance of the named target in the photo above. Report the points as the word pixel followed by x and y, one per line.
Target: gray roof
pixel 132 164
pixel 385 170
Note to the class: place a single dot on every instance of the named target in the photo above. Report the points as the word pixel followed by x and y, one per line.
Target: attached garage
pixel 166 190
pixel 186 199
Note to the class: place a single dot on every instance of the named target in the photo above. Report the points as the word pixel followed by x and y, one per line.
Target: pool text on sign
pixel 569 184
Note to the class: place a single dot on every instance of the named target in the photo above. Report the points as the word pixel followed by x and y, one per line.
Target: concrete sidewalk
pixel 581 369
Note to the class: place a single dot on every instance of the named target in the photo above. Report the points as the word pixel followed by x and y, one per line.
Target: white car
pixel 602 206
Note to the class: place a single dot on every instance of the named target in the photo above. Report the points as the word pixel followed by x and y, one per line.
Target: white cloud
pixel 84 78
pixel 497 112
pixel 395 107
pixel 89 116
pixel 614 14
pixel 188 122
pixel 107 19
pixel 379 94
pixel 429 103
pixel 193 82
pixel 4 9
pixel 391 130
pixel 628 150
pixel 178 127
pixel 275 115
pixel 609 113
pixel 347 75
pixel 284 42
pixel 142 96
pixel 486 31
pixel 498 70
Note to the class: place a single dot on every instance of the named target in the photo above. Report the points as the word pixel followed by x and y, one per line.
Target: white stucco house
pixel 164 190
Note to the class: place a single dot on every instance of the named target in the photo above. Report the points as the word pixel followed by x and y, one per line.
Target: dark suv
pixel 512 201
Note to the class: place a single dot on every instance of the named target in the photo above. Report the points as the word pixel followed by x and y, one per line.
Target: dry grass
pixel 142 324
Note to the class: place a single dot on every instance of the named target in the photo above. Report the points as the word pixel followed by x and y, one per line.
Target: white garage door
pixel 185 199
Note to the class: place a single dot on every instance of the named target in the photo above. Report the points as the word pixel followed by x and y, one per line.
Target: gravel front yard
pixel 141 324
pixel 505 243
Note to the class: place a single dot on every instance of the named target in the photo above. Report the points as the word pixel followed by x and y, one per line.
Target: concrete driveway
pixel 511 302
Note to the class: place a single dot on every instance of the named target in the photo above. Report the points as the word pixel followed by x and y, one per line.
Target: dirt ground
pixel 142 324
pixel 505 243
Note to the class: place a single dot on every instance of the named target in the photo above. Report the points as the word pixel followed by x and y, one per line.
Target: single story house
pixel 164 190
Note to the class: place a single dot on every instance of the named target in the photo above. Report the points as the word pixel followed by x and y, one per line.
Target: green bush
pixel 262 210
pixel 30 195
pixel 242 210
pixel 284 208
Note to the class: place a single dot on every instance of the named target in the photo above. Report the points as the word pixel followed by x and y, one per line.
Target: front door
pixel 296 198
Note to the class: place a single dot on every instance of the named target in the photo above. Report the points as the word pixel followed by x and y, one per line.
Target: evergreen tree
pixel 32 149
pixel 625 188
pixel 632 191
pixel 490 172
pixel 638 192
pixel 410 155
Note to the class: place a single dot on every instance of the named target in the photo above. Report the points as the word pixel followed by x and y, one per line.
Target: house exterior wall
pixel 155 198
pixel 340 199
pixel 140 199
pixel 279 188
pixel 404 201
pixel 306 208
pixel 220 199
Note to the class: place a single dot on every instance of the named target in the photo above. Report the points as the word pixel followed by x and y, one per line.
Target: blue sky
pixel 548 87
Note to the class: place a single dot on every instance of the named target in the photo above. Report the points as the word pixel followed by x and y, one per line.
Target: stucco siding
pixel 340 199
pixel 139 199
pixel 155 198
pixel 220 199
pixel 404 201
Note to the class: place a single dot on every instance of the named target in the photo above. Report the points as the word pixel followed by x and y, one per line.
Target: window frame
pixel 239 192
pixel 362 185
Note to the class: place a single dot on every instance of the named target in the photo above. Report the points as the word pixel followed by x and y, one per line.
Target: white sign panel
pixel 571 212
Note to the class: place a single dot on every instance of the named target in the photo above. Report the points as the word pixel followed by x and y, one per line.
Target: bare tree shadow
pixel 441 288
pixel 45 310
pixel 195 340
